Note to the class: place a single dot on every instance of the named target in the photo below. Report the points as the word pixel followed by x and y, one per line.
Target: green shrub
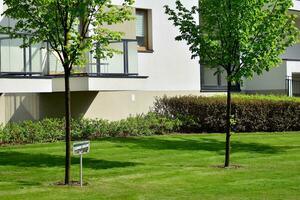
pixel 251 113
pixel 52 129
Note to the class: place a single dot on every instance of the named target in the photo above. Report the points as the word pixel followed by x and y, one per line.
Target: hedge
pixel 52 129
pixel 184 114
pixel 251 113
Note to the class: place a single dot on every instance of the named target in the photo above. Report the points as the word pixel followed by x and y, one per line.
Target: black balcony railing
pixel 292 86
pixel 39 60
pixel 125 63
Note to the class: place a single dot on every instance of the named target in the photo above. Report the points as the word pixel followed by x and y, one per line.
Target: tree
pixel 239 37
pixel 71 28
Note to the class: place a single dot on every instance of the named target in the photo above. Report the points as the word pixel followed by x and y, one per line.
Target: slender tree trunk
pixel 228 125
pixel 68 128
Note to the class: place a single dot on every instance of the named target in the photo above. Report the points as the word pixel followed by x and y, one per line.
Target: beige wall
pixel 117 105
pixel 111 105
pixel 128 28
pixel 2 109
pixel 18 107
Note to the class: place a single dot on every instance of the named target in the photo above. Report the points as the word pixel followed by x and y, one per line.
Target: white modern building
pixel 152 64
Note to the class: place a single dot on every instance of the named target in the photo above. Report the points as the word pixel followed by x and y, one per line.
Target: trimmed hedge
pixel 251 113
pixel 185 114
pixel 52 129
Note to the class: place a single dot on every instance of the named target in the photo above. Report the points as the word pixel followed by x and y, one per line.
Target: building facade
pixel 153 64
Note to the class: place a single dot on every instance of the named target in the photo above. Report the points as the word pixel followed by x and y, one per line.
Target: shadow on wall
pixel 53 104
pixel 20 107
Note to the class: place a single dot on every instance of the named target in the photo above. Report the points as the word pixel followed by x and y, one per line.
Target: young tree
pixel 239 37
pixel 71 28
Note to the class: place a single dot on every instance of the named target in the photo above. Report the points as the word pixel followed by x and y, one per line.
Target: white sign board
pixel 81 147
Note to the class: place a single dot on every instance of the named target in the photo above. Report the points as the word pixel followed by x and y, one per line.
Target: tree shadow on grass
pixel 204 144
pixel 47 160
pixel 27 183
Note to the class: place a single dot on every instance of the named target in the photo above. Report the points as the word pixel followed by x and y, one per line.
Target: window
pixel 214 82
pixel 142 29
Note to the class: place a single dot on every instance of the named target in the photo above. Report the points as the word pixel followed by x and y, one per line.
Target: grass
pixel 161 167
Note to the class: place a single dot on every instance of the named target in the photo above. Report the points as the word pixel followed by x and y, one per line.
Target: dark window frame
pixel 219 87
pixel 145 12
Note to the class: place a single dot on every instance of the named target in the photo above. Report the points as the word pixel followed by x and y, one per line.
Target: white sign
pixel 81 147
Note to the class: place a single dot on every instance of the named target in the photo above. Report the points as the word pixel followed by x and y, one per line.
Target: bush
pixel 47 130
pixel 52 129
pixel 252 113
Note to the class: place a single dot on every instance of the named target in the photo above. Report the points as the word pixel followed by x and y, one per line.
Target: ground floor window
pixel 212 81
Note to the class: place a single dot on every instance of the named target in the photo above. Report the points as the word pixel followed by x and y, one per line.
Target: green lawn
pixel 161 167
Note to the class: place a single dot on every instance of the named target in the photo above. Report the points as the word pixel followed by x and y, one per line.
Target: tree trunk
pixel 228 125
pixel 68 128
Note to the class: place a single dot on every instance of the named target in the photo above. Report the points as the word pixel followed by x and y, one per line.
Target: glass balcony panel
pixel 132 57
pixel 12 56
pixel 114 64
pixel 92 66
pixel 41 62
pixel 38 58
pixel 55 66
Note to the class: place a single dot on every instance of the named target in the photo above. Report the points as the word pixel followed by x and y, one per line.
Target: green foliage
pixel 52 129
pixel 267 97
pixel 237 36
pixel 71 27
pixel 250 113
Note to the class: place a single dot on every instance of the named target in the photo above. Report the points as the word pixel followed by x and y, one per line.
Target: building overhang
pixel 56 84
pixel 25 85
pixel 296 6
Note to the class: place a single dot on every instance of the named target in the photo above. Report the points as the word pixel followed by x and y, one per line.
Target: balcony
pixel 119 65
pixel 37 69
pixel 39 61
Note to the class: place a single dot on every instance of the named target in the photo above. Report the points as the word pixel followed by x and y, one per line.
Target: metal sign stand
pixel 81 175
pixel 80 148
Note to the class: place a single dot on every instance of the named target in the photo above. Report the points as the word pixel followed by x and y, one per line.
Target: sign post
pixel 81 170
pixel 80 148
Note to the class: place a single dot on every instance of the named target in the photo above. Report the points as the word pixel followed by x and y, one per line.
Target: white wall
pixel 170 66
pixel 292 67
pixel 268 81
pixel 24 85
pixel 296 5
pixel 292 52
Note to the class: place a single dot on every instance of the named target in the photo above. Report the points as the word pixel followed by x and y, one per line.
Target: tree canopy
pixel 237 36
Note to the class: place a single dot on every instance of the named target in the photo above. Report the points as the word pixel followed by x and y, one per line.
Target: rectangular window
pixel 214 82
pixel 142 29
